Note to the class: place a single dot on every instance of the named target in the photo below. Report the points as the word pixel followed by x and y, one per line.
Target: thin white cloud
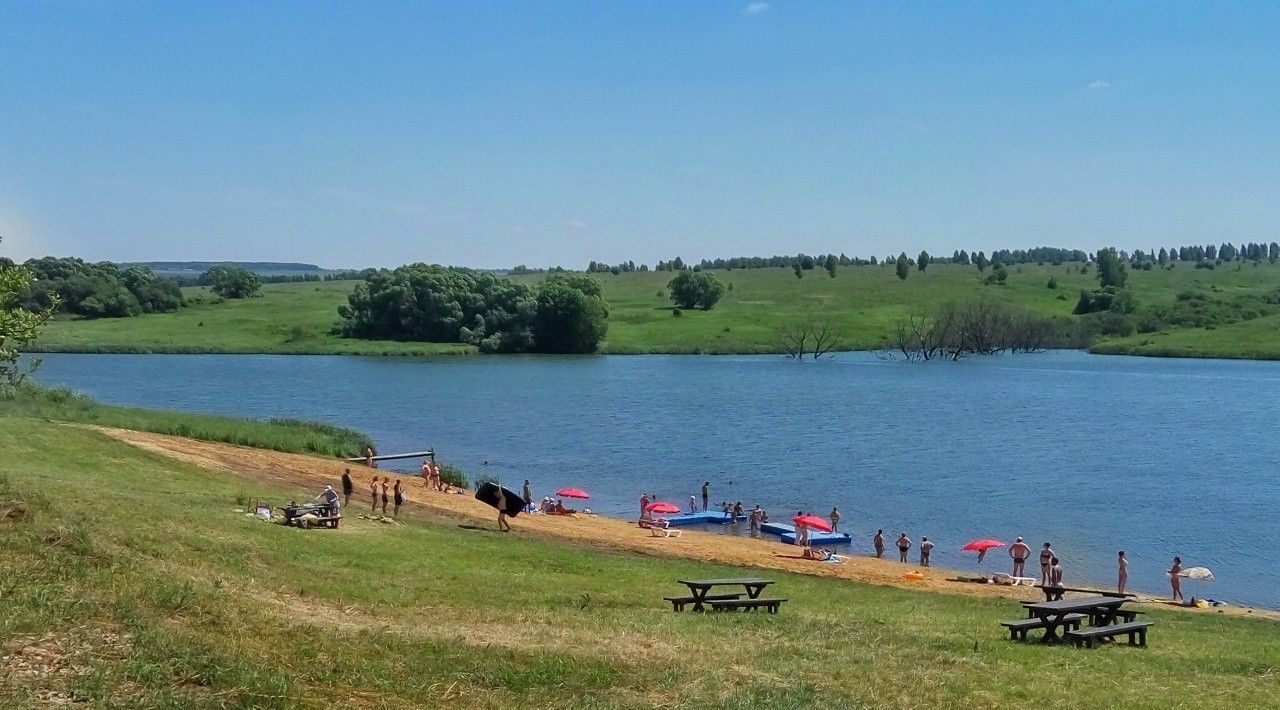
pixel 756 8
pixel 578 223
pixel 1098 85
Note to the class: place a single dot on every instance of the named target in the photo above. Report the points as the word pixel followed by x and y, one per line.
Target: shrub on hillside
pixel 692 289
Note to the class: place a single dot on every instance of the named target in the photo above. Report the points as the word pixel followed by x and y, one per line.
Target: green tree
pixel 19 326
pixel 1111 268
pixel 798 269
pixel 232 281
pixel 830 265
pixel 696 290
pixel 981 262
pixel 903 268
pixel 922 261
pixel 568 319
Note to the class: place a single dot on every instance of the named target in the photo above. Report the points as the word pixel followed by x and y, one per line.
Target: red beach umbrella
pixel 572 493
pixel 981 545
pixel 662 507
pixel 813 521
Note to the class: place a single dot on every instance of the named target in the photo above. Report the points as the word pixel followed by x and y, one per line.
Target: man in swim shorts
pixel 878 540
pixel 1019 551
pixel 925 548
pixel 904 544
pixel 706 493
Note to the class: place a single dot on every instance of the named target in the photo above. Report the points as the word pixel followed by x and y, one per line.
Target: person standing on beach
pixel 368 457
pixel 1046 557
pixel 1055 572
pixel 835 519
pixel 528 495
pixel 878 541
pixel 1175 579
pixel 755 517
pixel 386 481
pixel 426 473
pixel 348 487
pixel 925 548
pixel 1123 564
pixel 399 500
pixel 373 493
pixel 644 504
pixel 1019 551
pixel 904 544
pixel 706 496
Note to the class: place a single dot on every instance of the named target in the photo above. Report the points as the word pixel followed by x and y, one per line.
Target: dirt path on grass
pixel 310 474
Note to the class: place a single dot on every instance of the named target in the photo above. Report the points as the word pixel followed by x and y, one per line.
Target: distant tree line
pixel 562 314
pixel 99 290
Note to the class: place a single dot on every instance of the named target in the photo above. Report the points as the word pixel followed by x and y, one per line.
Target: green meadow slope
pixel 130 580
pixel 867 302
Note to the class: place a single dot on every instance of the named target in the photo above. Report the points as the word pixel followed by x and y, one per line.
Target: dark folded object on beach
pixel 488 493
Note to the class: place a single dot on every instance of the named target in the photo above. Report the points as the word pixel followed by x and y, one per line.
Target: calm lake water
pixel 1093 453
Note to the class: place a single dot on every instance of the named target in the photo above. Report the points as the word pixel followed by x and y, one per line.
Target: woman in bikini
pixel 373 493
pixel 1046 564
pixel 399 500
pixel 1175 579
pixel 386 480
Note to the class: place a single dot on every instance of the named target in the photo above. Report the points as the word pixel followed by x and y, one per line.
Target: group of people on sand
pixel 431 477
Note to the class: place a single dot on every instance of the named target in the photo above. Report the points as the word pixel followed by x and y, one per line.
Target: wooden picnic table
pixel 699 588
pixel 1053 614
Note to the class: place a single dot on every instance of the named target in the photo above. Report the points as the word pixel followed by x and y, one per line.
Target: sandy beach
pixel 311 473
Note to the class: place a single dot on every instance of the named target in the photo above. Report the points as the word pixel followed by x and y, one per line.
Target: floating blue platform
pixel 702 518
pixel 777 528
pixel 820 538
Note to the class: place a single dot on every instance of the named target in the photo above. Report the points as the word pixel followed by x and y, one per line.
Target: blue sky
pixel 490 134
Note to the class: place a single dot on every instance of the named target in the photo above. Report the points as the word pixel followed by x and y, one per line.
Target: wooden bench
pixel 1018 628
pixel 1136 630
pixel 678 603
pixel 770 605
pixel 1052 593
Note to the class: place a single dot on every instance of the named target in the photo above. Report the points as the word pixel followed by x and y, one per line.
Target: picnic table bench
pixel 700 589
pixel 1102 610
pixel 678 603
pixel 1126 615
pixel 1054 593
pixel 1136 631
pixel 1018 628
pixel 769 605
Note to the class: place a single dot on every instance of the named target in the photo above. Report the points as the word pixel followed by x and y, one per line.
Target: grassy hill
pixel 866 301
pixel 131 581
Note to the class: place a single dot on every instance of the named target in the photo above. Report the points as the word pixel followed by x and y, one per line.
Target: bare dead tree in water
pixel 977 327
pixel 817 337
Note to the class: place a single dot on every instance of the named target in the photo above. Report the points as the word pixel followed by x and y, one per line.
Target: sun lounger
pixel 665 532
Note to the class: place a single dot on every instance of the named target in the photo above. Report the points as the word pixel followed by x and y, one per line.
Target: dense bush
pixel 102 290
pixel 232 281
pixel 432 303
pixel 696 289
pixel 1108 298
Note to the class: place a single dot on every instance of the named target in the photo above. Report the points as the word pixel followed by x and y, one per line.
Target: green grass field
pixel 867 302
pixel 130 581
pixel 288 435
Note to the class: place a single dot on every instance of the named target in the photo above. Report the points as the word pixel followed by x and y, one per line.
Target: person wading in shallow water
pixel 878 540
